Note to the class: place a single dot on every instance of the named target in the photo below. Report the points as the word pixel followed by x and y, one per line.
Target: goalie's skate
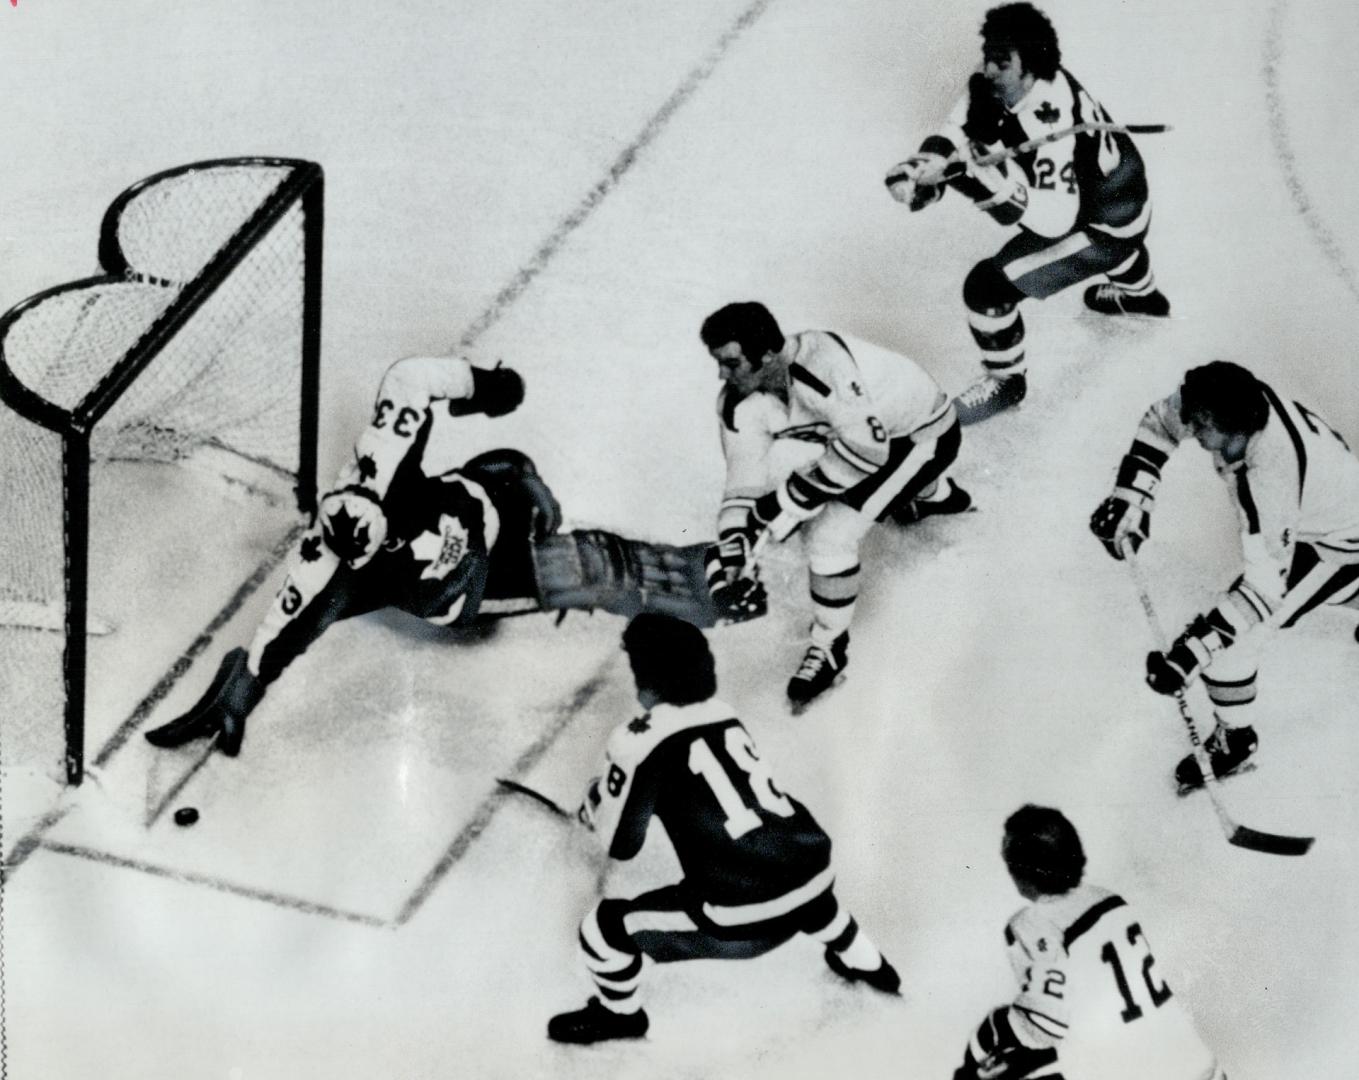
pixel 221 711
pixel 821 669
pixel 1229 751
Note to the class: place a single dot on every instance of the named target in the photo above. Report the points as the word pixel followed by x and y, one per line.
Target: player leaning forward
pixel 1080 202
pixel 1295 486
pixel 757 866
pixel 1091 1001
pixel 449 546
pixel 888 431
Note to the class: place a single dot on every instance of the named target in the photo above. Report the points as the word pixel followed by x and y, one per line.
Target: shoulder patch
pixel 802 375
pixel 1047 113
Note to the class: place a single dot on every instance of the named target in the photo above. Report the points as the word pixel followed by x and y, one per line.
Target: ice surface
pixel 574 187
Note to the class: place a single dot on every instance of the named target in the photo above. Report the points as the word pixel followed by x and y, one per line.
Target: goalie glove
pixel 353 524
pixel 1171 671
pixel 495 392
pixel 1123 520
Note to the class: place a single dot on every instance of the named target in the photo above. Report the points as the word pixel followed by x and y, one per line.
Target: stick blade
pixel 1269 843
pixel 536 796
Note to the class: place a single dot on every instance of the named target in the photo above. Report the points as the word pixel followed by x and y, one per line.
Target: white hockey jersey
pixel 1090 987
pixel 1298 481
pixel 844 395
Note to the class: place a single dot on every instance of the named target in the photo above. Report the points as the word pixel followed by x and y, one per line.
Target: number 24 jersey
pixel 1090 986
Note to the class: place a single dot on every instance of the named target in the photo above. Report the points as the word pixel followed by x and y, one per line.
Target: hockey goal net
pixel 196 348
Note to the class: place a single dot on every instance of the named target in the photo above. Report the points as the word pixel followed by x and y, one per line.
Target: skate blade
pixel 797 708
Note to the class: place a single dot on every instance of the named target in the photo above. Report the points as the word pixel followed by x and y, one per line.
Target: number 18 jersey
pixel 1090 986
pixel 738 837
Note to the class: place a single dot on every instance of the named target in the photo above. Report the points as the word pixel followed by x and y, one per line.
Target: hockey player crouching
pixel 889 434
pixel 757 868
pixel 1080 203
pixel 1091 1000
pixel 1295 486
pixel 475 542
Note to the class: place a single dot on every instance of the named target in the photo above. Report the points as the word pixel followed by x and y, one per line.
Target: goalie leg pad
pixel 592 568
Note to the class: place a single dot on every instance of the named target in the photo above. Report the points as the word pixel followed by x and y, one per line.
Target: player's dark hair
pixel 1042 850
pixel 747 323
pixel 671 658
pixel 1227 395
pixel 1026 30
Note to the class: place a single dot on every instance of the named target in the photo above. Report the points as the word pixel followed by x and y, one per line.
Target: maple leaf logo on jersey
pixel 367 467
pixel 641 724
pixel 1042 944
pixel 1046 113
pixel 442 550
pixel 311 548
pixel 345 534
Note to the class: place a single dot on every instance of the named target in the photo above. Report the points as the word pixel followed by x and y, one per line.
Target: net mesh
pixel 227 384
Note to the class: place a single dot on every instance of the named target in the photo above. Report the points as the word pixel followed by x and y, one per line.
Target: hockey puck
pixel 186 815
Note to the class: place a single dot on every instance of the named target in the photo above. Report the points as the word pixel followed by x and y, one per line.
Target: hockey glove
pixel 1122 521
pixel 586 814
pixel 353 524
pixel 495 392
pixel 740 600
pixel 919 180
pixel 1171 671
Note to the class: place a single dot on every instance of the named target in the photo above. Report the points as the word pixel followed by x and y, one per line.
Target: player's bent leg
pixel 614 963
pixel 849 952
pixel 1230 681
pixel 997 327
pixel 1130 290
pixel 995 1051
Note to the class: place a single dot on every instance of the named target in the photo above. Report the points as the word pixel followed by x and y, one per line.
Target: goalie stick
pixel 1004 154
pixel 1241 835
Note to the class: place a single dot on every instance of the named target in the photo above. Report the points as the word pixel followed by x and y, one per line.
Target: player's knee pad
pixel 603 934
pixel 987 291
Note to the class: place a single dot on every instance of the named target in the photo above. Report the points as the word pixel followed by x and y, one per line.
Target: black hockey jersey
pixel 738 837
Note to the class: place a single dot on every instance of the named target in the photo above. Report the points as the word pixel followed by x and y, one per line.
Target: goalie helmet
pixel 1042 851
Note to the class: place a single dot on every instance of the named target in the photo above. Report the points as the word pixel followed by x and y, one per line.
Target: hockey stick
pixel 523 789
pixel 1240 835
pixel 1005 153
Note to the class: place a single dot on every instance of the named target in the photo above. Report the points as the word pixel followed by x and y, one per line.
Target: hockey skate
pixel 957 501
pixel 821 669
pixel 883 978
pixel 595 1023
pixel 989 395
pixel 1228 749
pixel 221 711
pixel 1111 299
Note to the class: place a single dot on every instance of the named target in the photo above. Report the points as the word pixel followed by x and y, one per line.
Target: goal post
pixel 200 339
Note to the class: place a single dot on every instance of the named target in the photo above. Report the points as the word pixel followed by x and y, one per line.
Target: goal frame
pixel 305 185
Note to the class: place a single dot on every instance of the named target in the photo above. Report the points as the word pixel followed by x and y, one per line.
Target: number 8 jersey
pixel 740 840
pixel 1090 988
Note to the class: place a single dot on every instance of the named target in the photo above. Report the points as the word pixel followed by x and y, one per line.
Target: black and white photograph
pixel 721 540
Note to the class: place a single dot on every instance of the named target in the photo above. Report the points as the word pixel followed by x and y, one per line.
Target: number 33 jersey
pixel 1090 986
pixel 739 838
